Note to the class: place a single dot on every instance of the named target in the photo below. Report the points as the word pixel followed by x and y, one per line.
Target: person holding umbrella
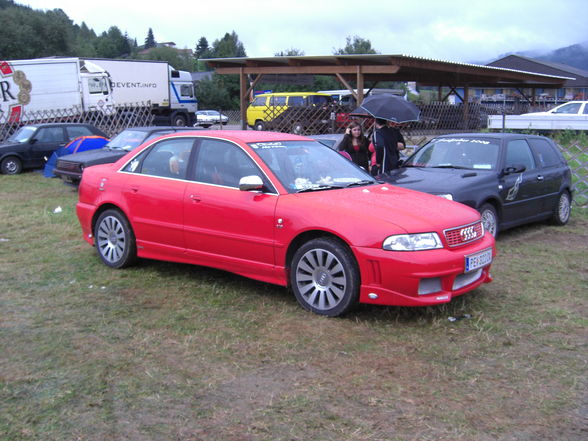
pixel 387 143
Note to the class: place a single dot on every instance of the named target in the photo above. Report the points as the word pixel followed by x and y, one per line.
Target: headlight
pixel 445 196
pixel 412 242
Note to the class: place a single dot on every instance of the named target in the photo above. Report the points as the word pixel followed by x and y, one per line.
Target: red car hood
pixel 391 208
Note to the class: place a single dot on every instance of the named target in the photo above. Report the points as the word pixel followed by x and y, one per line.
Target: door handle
pixel 195 198
pixel 134 189
pixel 539 177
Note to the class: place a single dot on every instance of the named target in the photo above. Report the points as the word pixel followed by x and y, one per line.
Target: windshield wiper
pixel 319 188
pixel 451 166
pixel 361 183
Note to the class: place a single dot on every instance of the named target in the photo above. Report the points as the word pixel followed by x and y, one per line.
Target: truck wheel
pixel 259 125
pixel 179 120
pixel 11 166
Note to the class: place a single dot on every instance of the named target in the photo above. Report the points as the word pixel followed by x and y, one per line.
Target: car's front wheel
pixel 325 277
pixel 259 125
pixel 561 214
pixel 114 239
pixel 11 166
pixel 489 218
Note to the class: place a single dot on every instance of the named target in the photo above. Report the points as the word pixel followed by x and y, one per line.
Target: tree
pixel 179 60
pixel 150 40
pixel 228 47
pixel 202 49
pixel 356 45
pixel 292 52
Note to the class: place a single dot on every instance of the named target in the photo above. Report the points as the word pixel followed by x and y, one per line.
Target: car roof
pixel 485 135
pixel 158 128
pixel 57 124
pixel 246 136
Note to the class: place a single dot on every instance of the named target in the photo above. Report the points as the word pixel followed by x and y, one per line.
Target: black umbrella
pixel 389 107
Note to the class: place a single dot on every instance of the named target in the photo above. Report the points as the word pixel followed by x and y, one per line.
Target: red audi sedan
pixel 286 210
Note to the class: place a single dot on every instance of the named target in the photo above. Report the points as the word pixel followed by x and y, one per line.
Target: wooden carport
pixel 371 69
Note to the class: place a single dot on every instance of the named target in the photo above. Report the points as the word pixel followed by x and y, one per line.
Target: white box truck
pixel 170 91
pixel 45 87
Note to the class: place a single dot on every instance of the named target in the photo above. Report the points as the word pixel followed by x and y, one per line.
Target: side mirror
pixel 33 141
pixel 250 183
pixel 513 168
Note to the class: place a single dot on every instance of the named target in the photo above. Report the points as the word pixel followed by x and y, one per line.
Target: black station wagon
pixel 511 179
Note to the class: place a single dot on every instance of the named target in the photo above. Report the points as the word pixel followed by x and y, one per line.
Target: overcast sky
pixel 454 30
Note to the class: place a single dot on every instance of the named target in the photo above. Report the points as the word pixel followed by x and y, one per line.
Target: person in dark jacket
pixel 356 145
pixel 388 141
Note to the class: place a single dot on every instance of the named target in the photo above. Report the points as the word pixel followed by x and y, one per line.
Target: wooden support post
pixel 244 98
pixel 359 86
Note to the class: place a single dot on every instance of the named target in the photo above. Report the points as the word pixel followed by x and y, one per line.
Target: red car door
pixel 224 226
pixel 154 193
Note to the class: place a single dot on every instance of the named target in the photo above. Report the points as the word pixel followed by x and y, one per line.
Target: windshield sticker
pixel 268 145
pixel 458 140
pixel 483 166
pixel 133 165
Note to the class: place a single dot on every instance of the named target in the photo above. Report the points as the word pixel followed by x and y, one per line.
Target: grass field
pixel 164 351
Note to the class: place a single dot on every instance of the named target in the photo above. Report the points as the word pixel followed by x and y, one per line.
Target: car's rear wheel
pixel 561 214
pixel 114 239
pixel 324 277
pixel 259 125
pixel 489 218
pixel 11 166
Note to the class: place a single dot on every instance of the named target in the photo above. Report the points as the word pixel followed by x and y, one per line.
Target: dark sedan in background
pixel 511 179
pixel 31 145
pixel 70 167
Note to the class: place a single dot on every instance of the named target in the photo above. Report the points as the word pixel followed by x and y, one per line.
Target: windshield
pixel 127 140
pixel 309 165
pixel 23 134
pixel 466 153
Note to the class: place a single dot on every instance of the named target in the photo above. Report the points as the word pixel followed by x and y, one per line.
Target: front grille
pixel 464 234
pixel 68 166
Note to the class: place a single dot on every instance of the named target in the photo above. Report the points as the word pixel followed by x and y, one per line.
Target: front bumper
pixel 395 278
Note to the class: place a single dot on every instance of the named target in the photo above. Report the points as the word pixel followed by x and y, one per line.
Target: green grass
pixel 164 351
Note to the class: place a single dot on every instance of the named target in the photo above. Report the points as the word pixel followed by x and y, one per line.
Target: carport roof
pixel 428 72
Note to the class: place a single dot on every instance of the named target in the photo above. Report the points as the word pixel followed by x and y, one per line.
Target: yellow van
pixel 266 107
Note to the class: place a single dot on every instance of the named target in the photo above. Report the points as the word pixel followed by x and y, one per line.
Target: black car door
pixel 552 171
pixel 43 143
pixel 520 190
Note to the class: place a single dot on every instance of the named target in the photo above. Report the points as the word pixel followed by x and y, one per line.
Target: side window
pixel 278 101
pixel 77 131
pixel 545 153
pixel 168 158
pixel 296 101
pixel 50 134
pixel 259 101
pixel 569 108
pixel 223 163
pixel 519 153
pixel 186 90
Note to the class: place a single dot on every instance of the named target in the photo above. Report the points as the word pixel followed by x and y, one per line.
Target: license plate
pixel 478 260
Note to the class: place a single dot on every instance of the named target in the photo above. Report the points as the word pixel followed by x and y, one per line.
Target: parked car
pixel 70 167
pixel 511 179
pixel 31 145
pixel 207 118
pixel 287 210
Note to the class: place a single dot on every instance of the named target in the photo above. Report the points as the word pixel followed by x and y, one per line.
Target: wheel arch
pixel 103 208
pixel 307 236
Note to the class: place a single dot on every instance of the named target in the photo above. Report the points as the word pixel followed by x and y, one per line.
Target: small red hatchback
pixel 287 210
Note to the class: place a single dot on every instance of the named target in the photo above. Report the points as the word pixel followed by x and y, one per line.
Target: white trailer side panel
pixel 135 81
pixel 53 85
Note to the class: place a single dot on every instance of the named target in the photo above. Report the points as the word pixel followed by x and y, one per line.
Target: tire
pixel 179 120
pixel 324 277
pixel 206 126
pixel 259 125
pixel 489 218
pixel 114 239
pixel 11 165
pixel 297 128
pixel 561 212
